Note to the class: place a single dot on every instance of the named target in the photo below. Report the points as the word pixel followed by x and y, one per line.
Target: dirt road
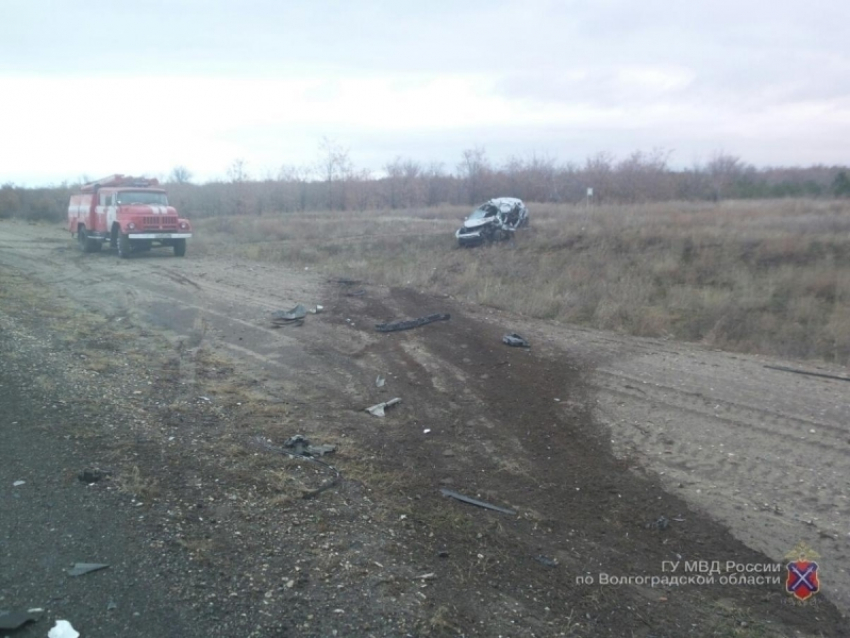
pixel 591 438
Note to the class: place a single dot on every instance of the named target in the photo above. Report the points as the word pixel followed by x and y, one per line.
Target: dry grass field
pixel 768 277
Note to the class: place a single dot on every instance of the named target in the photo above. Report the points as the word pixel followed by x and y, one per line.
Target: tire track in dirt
pixel 773 470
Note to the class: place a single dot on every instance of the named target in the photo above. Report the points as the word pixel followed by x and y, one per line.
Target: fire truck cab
pixel 131 213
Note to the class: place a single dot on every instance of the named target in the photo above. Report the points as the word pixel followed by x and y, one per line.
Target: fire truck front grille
pixel 159 222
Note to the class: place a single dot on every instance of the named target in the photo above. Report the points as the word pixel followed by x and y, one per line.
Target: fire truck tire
pixel 87 244
pixel 123 246
pixel 179 247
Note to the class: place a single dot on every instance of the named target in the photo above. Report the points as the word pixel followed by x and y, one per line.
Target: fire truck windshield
pixel 142 197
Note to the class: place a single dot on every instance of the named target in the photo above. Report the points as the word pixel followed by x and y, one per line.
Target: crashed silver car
pixel 492 221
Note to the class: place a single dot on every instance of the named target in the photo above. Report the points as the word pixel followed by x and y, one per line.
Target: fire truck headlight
pixel 183 225
pixel 131 226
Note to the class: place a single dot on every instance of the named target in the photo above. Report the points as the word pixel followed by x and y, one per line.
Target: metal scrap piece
pixel 475 501
pixel 335 479
pixel 85 568
pixel 284 317
pixel 15 620
pixel 516 341
pixel 395 326
pixel 378 409
pixel 300 444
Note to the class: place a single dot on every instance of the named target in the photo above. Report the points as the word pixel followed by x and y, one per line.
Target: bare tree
pixel 333 165
pixel 643 177
pixel 180 175
pixel 395 173
pixel 436 184
pixel 298 179
pixel 473 169
pixel 237 172
pixel 598 175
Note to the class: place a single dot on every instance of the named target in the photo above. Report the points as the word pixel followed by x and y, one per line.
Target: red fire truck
pixel 131 213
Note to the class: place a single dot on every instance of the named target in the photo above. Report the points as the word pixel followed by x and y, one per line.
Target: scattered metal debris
pixel 411 323
pixel 13 620
pixel 661 523
pixel 545 560
pixel 289 317
pixel 337 476
pixel 806 372
pixel 80 569
pixel 476 502
pixel 63 629
pixel 18 483
pixel 301 446
pixel 378 409
pixel 93 475
pixel 515 341
pixel 111 606
pixel 380 381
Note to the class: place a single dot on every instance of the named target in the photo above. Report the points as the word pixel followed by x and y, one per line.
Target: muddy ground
pixel 168 376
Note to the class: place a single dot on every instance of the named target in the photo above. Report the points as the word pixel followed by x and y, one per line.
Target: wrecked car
pixel 494 220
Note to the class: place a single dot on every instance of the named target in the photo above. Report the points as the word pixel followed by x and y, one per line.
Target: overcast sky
pixel 105 86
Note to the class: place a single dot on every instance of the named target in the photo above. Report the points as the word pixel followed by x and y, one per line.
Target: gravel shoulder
pixel 169 374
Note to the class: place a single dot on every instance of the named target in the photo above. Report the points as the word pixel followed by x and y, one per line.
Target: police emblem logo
pixel 802 580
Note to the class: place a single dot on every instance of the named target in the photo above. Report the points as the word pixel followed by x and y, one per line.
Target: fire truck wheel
pixel 123 246
pixel 87 244
pixel 179 247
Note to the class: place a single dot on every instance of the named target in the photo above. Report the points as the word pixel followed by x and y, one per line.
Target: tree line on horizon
pixel 334 183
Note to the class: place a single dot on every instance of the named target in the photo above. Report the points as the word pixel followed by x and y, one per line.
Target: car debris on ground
pixel 380 381
pixel 12 620
pixel 93 475
pixel 336 474
pixel 289 317
pixel 63 629
pixel 378 408
pixel 300 445
pixel 476 502
pixel 545 560
pixel 660 524
pixel 80 569
pixel 395 326
pixel 516 341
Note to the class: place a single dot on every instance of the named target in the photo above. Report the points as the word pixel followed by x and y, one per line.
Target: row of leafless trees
pixel 335 183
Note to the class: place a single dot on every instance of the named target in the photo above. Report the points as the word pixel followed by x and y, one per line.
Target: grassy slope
pixel 759 276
